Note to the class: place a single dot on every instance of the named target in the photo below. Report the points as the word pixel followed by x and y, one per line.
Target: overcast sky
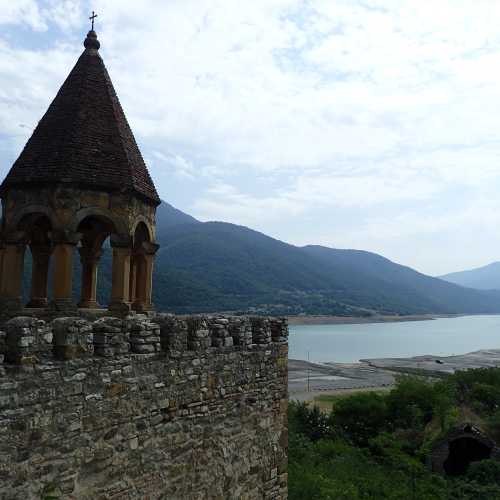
pixel 369 124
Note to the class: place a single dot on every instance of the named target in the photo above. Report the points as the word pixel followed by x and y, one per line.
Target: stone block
pixel 26 340
pixel 261 331
pixel 110 337
pixel 240 330
pixel 173 332
pixel 73 338
pixel 279 329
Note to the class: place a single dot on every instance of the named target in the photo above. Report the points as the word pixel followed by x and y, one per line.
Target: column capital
pixel 147 248
pixel 89 255
pixel 121 241
pixel 64 237
pixel 14 238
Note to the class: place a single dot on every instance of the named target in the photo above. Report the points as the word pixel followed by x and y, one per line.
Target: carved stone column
pixel 89 257
pixel 145 262
pixel 120 289
pixel 64 247
pixel 133 278
pixel 39 275
pixel 12 276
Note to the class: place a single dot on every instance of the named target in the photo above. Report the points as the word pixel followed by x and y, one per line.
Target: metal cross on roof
pixel 92 17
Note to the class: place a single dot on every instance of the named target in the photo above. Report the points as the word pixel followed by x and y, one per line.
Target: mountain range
pixel 217 266
pixel 482 278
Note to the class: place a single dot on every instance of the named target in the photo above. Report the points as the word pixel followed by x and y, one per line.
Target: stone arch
pixel 141 267
pixel 35 226
pixel 93 230
pixel 463 445
pixel 139 223
pixel 463 451
pixel 102 213
pixel 14 221
pixel 141 234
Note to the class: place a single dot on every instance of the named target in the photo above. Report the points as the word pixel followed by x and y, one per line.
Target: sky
pixel 367 124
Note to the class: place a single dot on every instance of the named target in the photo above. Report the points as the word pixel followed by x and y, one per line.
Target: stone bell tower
pixel 79 180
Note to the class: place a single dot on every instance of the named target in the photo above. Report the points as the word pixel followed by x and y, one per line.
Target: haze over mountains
pixel 216 266
pixel 482 278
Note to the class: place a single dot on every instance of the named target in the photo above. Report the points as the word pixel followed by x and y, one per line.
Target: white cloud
pixel 178 165
pixel 225 202
pixel 359 107
pixel 22 12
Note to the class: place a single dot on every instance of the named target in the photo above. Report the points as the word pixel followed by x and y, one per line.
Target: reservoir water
pixel 350 343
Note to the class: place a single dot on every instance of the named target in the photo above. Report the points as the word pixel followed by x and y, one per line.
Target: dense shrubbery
pixel 375 446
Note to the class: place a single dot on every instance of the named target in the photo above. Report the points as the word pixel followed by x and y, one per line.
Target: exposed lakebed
pixel 437 346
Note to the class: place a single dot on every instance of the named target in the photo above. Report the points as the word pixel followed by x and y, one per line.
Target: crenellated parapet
pixel 147 406
pixel 27 340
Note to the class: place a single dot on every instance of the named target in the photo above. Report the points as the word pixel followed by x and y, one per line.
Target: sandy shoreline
pixel 353 320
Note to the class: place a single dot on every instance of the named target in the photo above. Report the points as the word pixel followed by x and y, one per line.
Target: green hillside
pixel 216 266
pixel 220 266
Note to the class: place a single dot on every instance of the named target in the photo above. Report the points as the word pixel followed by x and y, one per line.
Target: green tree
pixel 360 417
pixel 411 402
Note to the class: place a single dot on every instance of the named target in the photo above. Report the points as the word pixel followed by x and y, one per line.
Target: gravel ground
pixel 308 380
pixel 331 378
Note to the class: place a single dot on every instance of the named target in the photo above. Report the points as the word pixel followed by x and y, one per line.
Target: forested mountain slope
pixel 216 266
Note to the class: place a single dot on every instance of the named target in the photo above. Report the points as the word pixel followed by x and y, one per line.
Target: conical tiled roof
pixel 84 138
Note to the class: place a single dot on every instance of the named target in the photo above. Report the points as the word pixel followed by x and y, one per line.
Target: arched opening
pixel 36 229
pixel 463 451
pixel 140 295
pixel 95 230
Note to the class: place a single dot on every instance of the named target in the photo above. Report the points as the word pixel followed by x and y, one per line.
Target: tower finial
pixel 91 42
pixel 92 17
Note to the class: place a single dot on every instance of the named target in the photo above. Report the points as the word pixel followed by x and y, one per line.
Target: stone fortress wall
pixel 149 406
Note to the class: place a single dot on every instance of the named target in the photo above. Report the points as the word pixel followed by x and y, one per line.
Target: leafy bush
pixel 310 422
pixel 466 380
pixel 411 402
pixel 375 446
pixel 485 397
pixel 484 472
pixel 360 417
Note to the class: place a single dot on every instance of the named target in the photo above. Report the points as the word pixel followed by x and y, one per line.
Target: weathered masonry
pixel 156 407
pixel 79 180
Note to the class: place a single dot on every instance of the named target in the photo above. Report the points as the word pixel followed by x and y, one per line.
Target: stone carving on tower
pixel 79 180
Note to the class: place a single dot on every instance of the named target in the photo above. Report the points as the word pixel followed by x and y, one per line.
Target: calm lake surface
pixel 350 343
